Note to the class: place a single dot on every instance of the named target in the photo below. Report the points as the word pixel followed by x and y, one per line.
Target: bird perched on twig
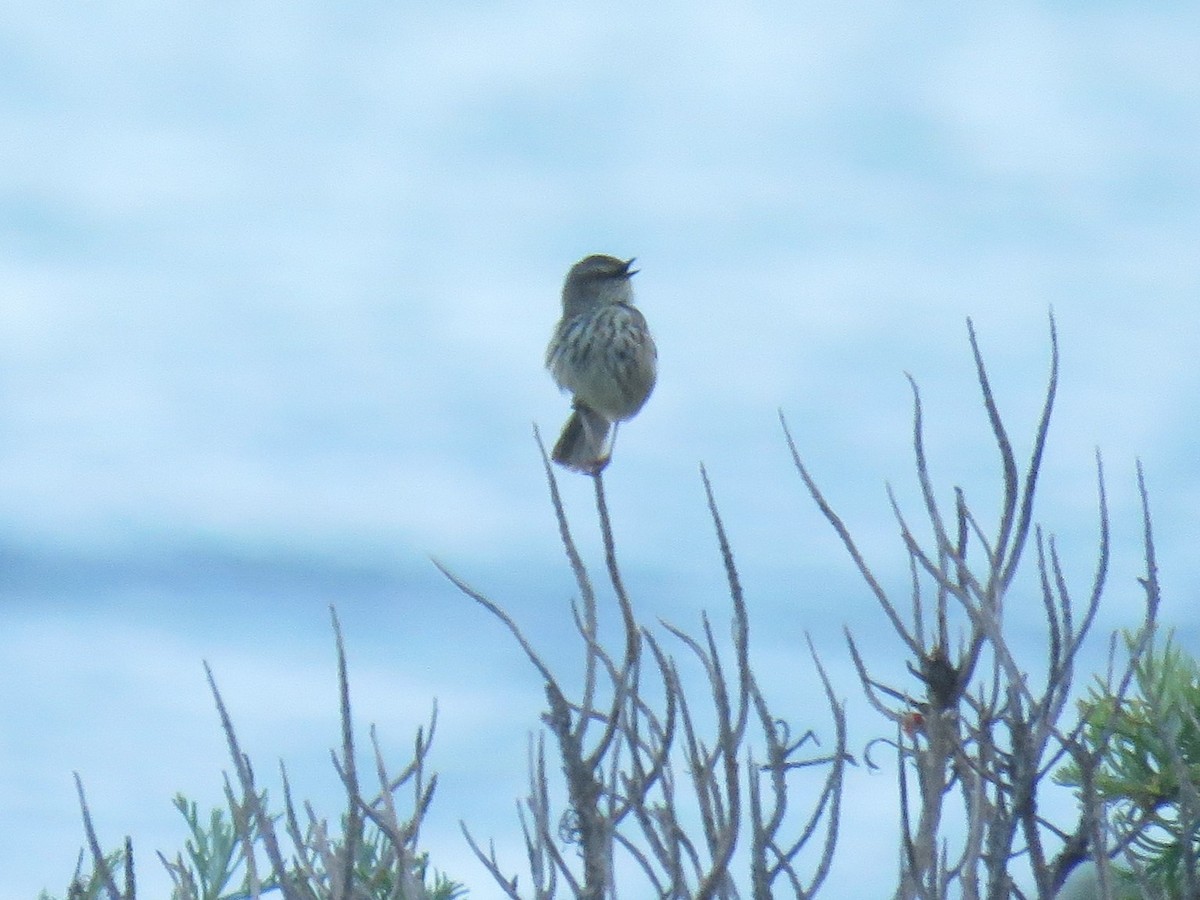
pixel 603 354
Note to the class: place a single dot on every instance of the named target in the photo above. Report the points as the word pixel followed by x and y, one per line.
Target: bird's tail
pixel 585 444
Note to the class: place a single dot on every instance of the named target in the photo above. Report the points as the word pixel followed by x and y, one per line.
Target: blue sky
pixel 275 285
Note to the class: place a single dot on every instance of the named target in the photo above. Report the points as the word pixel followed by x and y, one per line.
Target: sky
pixel 275 285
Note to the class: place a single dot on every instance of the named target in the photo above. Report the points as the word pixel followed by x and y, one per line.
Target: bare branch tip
pixel 787 432
pixel 916 390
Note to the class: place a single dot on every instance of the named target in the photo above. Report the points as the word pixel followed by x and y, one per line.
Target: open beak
pixel 629 271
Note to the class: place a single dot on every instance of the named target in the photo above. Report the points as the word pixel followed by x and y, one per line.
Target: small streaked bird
pixel 602 353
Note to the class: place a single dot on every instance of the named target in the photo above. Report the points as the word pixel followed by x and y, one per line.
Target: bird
pixel 601 353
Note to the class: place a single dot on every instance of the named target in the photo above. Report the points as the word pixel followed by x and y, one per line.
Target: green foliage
pixel 92 887
pixel 376 871
pixel 1149 765
pixel 216 852
pixel 213 864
